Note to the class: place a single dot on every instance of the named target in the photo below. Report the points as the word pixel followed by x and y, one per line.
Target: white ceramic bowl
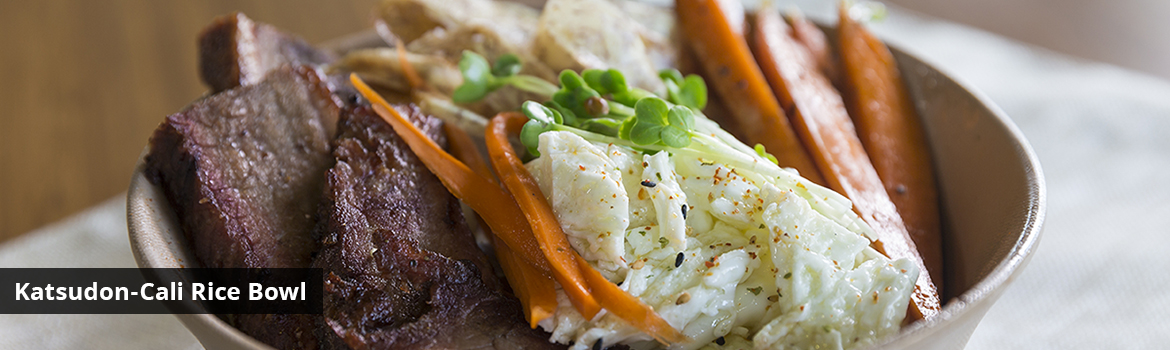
pixel 990 183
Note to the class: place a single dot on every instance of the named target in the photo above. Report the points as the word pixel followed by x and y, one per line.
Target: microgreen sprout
pixel 596 100
pixel 480 78
pixel 690 91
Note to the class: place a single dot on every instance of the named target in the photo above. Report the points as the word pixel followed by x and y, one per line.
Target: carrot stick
pixel 628 307
pixel 892 133
pixel 540 216
pixel 737 79
pixel 823 124
pixel 535 289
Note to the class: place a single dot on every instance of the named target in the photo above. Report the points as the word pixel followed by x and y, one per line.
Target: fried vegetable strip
pixel 822 122
pixel 540 214
pixel 892 133
pixel 730 68
pixel 491 202
pixel 535 289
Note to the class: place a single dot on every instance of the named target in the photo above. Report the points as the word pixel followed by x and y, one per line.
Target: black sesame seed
pixel 678 259
pixel 597 344
pixel 648 183
pixel 684 211
pixel 720 341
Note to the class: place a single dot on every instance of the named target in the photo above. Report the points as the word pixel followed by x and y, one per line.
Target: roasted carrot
pixel 823 124
pixel 892 133
pixel 491 202
pixel 540 214
pixel 628 307
pixel 535 289
pixel 717 39
pixel 808 34
pixel 537 211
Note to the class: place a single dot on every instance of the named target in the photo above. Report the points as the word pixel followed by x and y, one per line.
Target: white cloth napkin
pixel 1097 280
pixel 94 238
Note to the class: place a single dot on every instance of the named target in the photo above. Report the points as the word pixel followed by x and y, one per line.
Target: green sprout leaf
pixel 677 134
pixel 693 93
pixel 475 68
pixel 610 81
pixel 671 75
pixel 604 126
pixel 675 137
pixel 469 92
pixel 541 119
pixel 567 116
pixel 480 79
pixel 690 91
pixel 539 112
pixel 631 96
pixel 763 153
pixel 627 127
pixel 506 65
pixel 651 110
pixel 574 94
pixel 645 133
pixel 658 122
pixel 681 117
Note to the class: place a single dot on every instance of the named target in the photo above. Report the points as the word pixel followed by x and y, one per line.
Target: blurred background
pixel 85 82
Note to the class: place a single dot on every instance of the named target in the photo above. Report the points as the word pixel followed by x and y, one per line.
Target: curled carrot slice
pixel 553 239
pixel 544 223
pixel 535 288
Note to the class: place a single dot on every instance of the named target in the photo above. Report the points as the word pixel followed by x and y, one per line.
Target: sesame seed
pixel 648 183
pixel 678 260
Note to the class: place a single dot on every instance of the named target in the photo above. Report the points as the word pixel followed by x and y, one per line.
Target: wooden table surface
pixel 83 84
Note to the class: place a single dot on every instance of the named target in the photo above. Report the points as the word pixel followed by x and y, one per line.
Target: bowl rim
pixel 990 287
pixel 965 305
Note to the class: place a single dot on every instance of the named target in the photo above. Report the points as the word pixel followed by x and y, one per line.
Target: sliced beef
pixel 244 171
pixel 402 270
pixel 235 51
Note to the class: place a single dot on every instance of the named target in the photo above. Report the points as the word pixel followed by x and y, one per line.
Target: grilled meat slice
pixel 235 51
pixel 401 267
pixel 242 169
